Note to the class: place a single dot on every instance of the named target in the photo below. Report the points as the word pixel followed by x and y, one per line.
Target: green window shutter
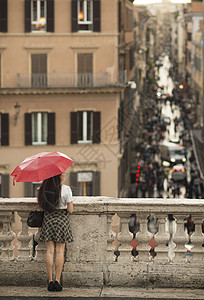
pixel 50 15
pixel 5 185
pixel 73 183
pixel 51 129
pixel 74 17
pixel 3 16
pixel 96 183
pixel 4 129
pixel 96 15
pixel 96 127
pixel 27 15
pixel 28 129
pixel 74 128
pixel 28 189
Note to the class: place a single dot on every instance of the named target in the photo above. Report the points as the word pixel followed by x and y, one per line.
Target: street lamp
pixel 17 109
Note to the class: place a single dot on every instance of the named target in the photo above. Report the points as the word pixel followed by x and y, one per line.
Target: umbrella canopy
pixel 41 166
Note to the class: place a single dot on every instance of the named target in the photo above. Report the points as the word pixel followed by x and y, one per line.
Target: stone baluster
pixel 110 239
pixel 143 237
pixel 180 239
pixel 24 237
pixel 6 237
pixel 161 238
pixel 197 239
pixel 124 238
pixel 41 247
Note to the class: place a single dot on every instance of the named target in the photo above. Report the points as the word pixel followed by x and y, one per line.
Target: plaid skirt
pixel 56 227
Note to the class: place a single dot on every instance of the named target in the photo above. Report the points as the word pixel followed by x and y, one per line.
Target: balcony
pixel 68 80
pixel 107 250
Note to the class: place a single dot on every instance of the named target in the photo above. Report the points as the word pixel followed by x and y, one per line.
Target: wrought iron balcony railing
pixel 68 80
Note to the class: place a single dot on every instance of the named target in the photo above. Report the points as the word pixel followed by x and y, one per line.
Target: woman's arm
pixel 70 207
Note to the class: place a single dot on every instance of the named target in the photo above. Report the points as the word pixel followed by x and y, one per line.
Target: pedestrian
pixel 189 226
pixel 55 199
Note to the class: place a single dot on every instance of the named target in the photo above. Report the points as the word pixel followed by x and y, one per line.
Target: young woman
pixel 56 201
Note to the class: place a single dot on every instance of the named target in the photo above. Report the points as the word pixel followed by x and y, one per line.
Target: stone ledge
pixel 135 275
pixel 19 292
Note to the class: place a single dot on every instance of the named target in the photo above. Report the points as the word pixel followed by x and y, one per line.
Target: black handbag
pixel 35 218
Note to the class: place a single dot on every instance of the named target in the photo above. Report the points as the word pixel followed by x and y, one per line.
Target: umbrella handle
pixel 14 182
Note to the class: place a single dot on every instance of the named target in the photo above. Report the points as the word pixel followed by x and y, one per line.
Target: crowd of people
pixel 152 178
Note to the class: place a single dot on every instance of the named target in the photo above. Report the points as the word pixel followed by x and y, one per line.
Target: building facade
pixel 64 86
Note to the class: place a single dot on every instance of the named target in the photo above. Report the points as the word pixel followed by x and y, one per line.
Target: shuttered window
pixel 85 183
pixel 85 127
pixel 3 15
pixel 86 15
pixel 39 128
pixel 85 69
pixel 39 70
pixel 39 15
pixel 31 189
pixel 4 129
pixel 4 185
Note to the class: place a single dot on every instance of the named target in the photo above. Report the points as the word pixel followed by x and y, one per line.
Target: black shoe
pixel 57 286
pixel 51 287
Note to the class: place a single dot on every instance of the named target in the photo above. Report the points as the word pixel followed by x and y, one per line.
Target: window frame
pixel 38 22
pixel 85 126
pixel 39 128
pixel 39 76
pixel 85 185
pixel 85 11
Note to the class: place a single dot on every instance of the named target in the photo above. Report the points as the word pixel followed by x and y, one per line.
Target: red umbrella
pixel 41 166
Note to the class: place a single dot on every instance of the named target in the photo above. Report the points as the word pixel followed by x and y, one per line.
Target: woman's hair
pixel 49 193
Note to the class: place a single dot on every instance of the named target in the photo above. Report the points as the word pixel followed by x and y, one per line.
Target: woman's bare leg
pixel 50 259
pixel 59 260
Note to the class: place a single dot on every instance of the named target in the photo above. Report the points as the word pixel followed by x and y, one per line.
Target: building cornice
pixel 60 34
pixel 63 91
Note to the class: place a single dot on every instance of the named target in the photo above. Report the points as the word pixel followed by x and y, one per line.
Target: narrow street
pixel 159 177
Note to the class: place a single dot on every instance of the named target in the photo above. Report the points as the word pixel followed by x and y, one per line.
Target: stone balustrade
pixel 107 248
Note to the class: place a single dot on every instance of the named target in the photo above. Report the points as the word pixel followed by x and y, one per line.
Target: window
pixel 31 189
pixel 85 183
pixel 85 120
pixel 35 186
pixel 38 15
pixel 39 128
pixel 4 129
pixel 3 15
pixel 86 15
pixel 85 70
pixel 85 127
pixel 39 70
